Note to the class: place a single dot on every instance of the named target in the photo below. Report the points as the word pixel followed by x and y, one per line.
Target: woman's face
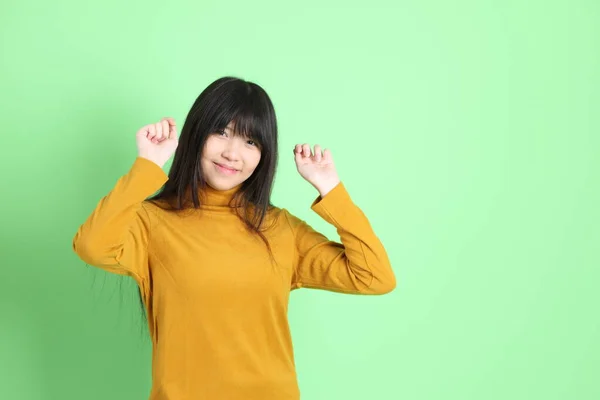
pixel 228 159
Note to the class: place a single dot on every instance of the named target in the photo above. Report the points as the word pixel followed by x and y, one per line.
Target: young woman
pixel 214 260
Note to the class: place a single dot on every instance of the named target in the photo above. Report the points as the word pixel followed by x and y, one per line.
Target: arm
pixel 357 265
pixel 115 236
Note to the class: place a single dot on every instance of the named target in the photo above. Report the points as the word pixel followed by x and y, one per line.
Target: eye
pixel 254 143
pixel 222 133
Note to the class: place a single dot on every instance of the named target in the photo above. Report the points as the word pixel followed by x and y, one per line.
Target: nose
pixel 231 150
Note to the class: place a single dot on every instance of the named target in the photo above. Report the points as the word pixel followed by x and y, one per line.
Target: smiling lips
pixel 225 169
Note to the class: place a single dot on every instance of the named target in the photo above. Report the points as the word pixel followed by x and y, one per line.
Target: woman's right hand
pixel 157 142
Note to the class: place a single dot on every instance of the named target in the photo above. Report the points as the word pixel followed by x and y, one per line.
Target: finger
pixel 327 155
pixel 159 131
pixel 172 128
pixel 165 129
pixel 143 131
pixel 298 154
pixel 306 150
pixel 318 153
pixel 151 132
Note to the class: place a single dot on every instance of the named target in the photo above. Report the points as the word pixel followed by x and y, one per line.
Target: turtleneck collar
pixel 220 198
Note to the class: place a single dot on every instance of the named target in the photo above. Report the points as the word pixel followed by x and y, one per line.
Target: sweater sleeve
pixel 357 265
pixel 115 236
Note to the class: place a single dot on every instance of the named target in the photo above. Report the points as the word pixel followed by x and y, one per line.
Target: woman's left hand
pixel 316 167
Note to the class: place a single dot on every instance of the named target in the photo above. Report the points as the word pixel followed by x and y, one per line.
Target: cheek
pixel 251 160
pixel 255 160
pixel 212 146
pixel 210 151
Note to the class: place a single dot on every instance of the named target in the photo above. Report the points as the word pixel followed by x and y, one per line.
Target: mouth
pixel 225 169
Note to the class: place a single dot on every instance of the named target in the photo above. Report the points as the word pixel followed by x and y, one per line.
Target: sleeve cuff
pixel 334 202
pixel 149 177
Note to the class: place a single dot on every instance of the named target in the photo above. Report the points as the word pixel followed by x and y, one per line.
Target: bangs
pixel 249 115
pixel 248 128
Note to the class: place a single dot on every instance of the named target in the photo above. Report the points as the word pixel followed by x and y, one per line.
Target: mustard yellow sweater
pixel 217 305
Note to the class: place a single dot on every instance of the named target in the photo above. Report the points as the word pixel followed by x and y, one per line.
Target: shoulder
pixel 164 204
pixel 283 216
pixel 153 206
pixel 162 208
pixel 276 214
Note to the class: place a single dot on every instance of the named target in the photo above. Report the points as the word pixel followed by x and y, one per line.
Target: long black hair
pixel 247 105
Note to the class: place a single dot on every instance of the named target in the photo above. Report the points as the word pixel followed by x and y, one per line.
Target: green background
pixel 466 130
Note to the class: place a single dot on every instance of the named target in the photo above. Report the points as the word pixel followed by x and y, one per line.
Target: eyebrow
pixel 232 131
